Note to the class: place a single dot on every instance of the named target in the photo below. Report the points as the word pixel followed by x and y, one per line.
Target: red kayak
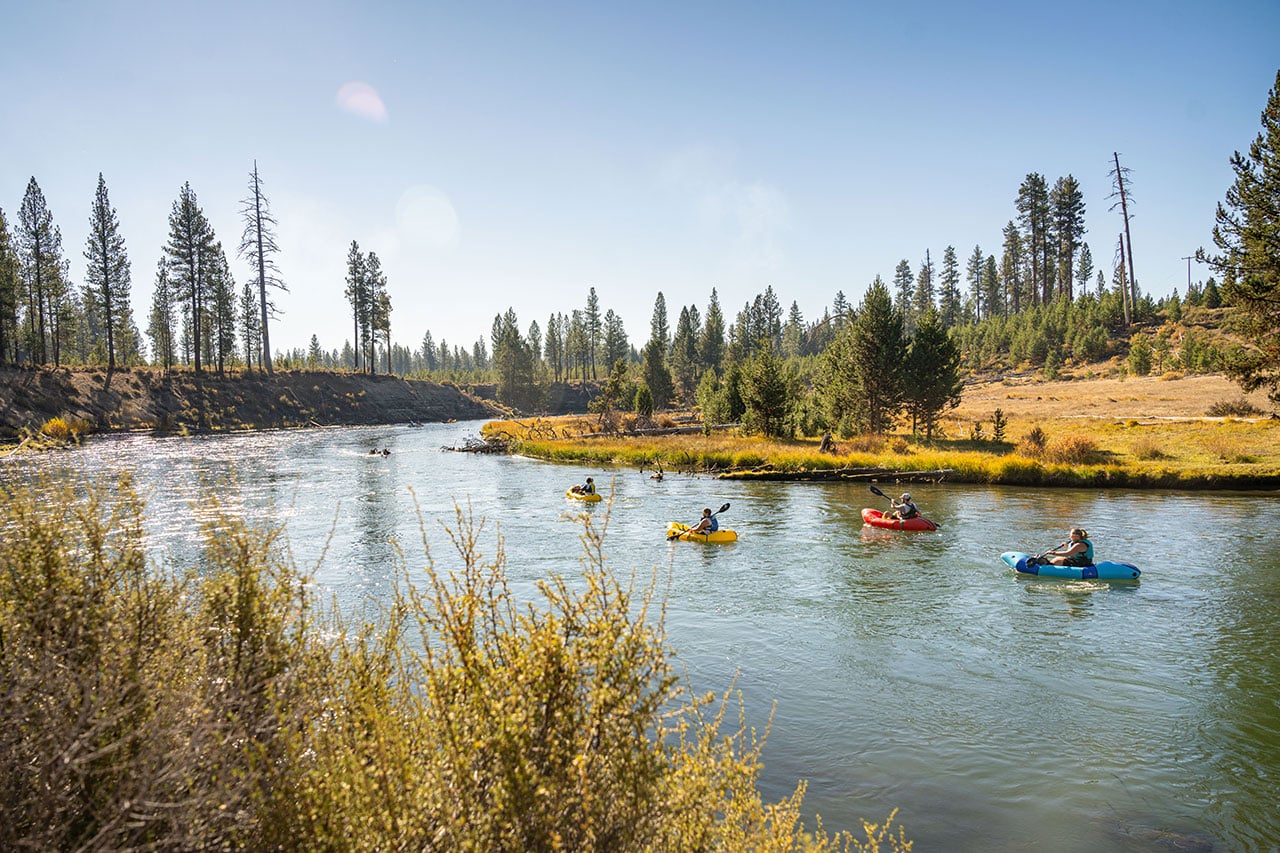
pixel 876 518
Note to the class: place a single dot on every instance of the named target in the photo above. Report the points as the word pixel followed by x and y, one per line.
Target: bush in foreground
pixel 217 707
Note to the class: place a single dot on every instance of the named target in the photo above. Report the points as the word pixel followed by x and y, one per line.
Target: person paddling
pixel 707 524
pixel 587 488
pixel 1077 551
pixel 904 509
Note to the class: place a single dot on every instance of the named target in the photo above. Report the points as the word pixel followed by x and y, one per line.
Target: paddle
pixel 1039 557
pixel 679 533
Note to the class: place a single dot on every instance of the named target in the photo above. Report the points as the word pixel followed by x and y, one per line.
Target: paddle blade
pixel 876 491
pixel 723 508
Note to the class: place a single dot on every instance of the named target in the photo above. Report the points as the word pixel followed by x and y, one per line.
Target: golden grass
pixel 1075 452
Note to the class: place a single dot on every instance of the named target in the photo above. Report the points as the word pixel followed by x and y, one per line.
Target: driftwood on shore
pixel 472 444
pixel 873 474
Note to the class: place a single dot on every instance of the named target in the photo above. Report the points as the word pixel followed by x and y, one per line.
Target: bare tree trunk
pixel 1128 239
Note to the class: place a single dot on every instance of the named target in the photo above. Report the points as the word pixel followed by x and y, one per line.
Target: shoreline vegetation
pixel 1087 434
pixel 221 705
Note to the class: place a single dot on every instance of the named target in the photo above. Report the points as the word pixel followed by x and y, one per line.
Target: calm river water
pixel 908 670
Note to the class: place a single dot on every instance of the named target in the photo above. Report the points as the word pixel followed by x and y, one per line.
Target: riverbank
pixel 1136 433
pixel 149 399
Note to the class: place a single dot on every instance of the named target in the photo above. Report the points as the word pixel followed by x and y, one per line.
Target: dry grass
pixel 1150 433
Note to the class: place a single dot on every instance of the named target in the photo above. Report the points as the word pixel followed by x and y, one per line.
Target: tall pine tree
pixel 107 272
pixel 1247 234
pixel 1066 202
pixel 190 251
pixel 931 380
pixel 8 294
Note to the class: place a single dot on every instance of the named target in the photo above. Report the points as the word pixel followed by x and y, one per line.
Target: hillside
pixel 145 398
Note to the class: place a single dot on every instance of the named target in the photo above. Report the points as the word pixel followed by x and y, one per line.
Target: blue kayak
pixel 1105 570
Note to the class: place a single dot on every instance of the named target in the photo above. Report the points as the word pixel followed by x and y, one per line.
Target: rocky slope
pixel 144 398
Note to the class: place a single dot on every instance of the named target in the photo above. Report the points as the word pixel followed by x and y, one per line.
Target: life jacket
pixel 589 489
pixel 908 510
pixel 715 524
pixel 1084 559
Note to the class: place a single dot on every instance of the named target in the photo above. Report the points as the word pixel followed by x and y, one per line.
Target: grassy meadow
pixel 1136 433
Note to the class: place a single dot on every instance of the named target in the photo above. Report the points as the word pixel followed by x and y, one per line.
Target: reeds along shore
pixel 1194 454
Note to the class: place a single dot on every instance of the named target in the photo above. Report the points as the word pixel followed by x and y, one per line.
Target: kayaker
pixel 1078 551
pixel 904 509
pixel 587 488
pixel 707 524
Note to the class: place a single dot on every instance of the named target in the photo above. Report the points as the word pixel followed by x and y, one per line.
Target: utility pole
pixel 1189 259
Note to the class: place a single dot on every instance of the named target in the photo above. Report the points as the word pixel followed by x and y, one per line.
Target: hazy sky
pixel 501 155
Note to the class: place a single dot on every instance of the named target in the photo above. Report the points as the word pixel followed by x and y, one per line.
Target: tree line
pixel 1042 300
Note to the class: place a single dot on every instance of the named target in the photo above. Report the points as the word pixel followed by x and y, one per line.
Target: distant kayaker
pixel 587 488
pixel 904 508
pixel 707 524
pixel 1078 551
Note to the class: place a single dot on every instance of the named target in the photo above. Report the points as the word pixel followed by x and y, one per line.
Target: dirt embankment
pixel 147 399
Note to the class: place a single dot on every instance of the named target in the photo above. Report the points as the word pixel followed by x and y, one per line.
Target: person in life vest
pixel 1077 551
pixel 904 508
pixel 707 524
pixel 587 488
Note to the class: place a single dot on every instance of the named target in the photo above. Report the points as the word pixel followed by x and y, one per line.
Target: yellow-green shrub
pixel 1073 450
pixel 147 707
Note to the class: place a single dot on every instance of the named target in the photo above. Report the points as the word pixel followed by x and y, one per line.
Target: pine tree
pixel 949 298
pixel 922 299
pixel 931 379
pixel 684 354
pixel 40 263
pixel 1034 217
pixel 250 311
pixel 8 294
pixel 107 272
pixel 1084 268
pixel 1012 264
pixel 163 319
pixel 1067 204
pixel 973 272
pixel 793 333
pixel 190 253
pixel 654 362
pixel 371 317
pixel 222 310
pixel 995 306
pixel 258 246
pixel 554 345
pixel 512 360
pixel 616 347
pixel 861 379
pixel 592 327
pixel 711 341
pixel 357 293
pixel 1247 233
pixel 576 345
pixel 765 394
pixel 903 288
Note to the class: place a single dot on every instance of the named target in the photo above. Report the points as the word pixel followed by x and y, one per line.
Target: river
pixel 907 670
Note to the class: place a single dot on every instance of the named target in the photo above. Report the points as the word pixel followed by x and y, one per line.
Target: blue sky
pixel 503 155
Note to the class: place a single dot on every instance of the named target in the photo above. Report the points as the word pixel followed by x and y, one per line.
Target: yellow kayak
pixel 676 530
pixel 590 497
